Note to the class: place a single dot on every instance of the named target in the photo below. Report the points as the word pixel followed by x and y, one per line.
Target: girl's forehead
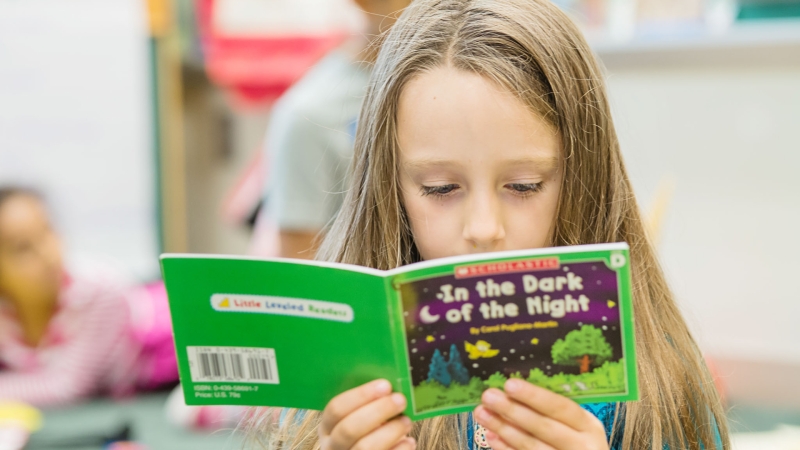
pixel 445 84
pixel 449 117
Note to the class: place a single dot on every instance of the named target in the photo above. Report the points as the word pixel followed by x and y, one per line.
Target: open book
pixel 290 333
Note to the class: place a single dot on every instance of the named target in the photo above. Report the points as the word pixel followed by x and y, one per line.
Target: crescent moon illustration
pixel 426 316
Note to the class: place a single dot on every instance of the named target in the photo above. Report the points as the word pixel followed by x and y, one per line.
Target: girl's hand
pixel 366 417
pixel 529 417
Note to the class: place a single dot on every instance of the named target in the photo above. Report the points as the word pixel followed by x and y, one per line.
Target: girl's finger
pixel 529 421
pixel 407 443
pixel 386 437
pixel 367 420
pixel 503 435
pixel 552 405
pixel 347 402
pixel 496 443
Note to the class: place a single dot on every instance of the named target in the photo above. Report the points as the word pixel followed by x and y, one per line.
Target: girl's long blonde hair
pixel 532 49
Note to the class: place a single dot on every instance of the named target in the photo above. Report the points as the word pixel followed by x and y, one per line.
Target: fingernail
pixel 482 415
pixel 399 399
pixel 411 441
pixel 382 387
pixel 491 397
pixel 490 435
pixel 513 385
pixel 406 421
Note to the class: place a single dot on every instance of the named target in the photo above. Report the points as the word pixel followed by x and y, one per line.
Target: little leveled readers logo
pixel 284 306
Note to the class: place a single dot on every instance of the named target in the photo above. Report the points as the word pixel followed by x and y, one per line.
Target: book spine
pixel 403 382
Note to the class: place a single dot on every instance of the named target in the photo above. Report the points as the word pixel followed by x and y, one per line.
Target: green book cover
pixel 291 333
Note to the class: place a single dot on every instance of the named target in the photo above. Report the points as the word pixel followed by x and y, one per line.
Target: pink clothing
pixel 152 329
pixel 98 341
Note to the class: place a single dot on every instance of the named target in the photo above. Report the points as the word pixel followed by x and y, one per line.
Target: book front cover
pixel 563 322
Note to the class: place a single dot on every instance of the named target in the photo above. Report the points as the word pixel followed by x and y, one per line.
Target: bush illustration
pixel 537 377
pixel 609 378
pixel 431 395
pixel 496 380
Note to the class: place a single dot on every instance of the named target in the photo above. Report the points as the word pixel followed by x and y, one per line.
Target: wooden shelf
pixel 750 44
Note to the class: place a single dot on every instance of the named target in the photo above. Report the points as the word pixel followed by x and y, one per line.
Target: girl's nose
pixel 483 227
pixel 50 251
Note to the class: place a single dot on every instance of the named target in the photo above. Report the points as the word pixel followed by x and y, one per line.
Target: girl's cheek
pixel 436 238
pixel 436 230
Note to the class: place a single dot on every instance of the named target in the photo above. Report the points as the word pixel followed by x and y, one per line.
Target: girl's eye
pixel 525 189
pixel 439 191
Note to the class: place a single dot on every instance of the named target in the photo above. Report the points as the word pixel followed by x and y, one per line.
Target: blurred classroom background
pixel 143 123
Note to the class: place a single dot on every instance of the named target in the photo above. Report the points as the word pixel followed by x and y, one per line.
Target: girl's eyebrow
pixel 538 162
pixel 431 163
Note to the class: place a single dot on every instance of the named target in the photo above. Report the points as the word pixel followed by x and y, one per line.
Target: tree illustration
pixel 437 371
pixel 584 348
pixel 455 366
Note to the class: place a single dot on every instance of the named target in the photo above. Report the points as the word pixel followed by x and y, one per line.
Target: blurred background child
pixel 68 333
pixel 309 141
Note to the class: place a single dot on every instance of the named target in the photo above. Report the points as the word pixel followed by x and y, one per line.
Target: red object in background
pixel 719 381
pixel 257 69
pixel 125 446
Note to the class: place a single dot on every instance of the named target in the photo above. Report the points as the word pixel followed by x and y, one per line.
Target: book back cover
pixel 276 332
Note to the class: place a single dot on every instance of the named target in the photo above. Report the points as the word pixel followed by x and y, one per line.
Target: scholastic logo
pixel 507 267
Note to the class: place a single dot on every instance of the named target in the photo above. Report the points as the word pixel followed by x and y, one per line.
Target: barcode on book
pixel 233 364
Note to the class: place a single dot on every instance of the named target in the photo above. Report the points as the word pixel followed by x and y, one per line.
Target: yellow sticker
pixel 21 414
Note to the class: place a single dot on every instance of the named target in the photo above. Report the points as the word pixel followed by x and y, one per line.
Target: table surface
pixel 145 416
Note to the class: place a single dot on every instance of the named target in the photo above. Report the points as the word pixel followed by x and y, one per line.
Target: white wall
pixel 727 134
pixel 278 17
pixel 75 121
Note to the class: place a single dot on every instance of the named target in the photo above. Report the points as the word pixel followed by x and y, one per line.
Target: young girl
pixel 486 127
pixel 66 334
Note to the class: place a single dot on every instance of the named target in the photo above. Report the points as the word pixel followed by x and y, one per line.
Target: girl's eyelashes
pixel 519 189
pixel 525 189
pixel 439 191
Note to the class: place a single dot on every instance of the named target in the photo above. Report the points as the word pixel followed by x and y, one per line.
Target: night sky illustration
pixel 518 352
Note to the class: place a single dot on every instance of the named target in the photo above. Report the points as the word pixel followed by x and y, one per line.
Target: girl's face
pixel 30 254
pixel 478 170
